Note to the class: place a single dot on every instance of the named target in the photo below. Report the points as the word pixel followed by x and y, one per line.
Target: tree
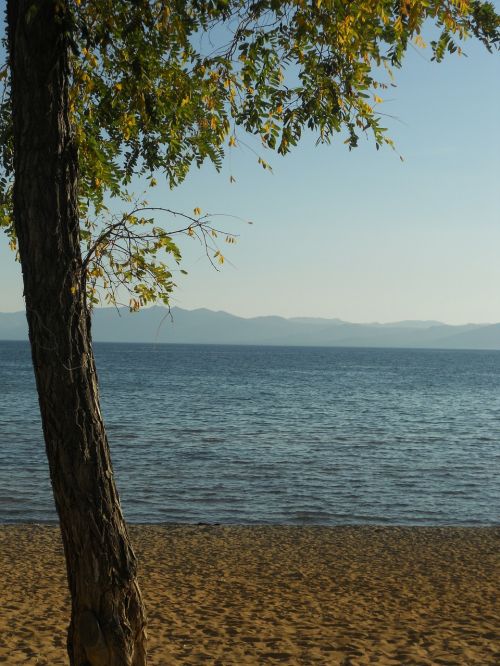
pixel 97 92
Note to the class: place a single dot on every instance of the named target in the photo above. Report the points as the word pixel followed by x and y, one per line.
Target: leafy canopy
pixel 161 84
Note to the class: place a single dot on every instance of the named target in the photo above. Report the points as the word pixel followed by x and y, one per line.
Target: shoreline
pixel 311 525
pixel 276 594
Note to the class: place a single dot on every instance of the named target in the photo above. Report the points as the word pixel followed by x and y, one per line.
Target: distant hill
pixel 205 326
pixel 13 326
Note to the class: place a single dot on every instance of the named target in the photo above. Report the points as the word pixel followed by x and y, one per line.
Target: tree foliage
pixel 160 85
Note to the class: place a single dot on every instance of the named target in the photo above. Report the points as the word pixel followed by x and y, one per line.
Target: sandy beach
pixel 230 595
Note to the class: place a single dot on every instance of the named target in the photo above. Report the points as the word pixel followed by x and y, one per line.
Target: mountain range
pixel 201 326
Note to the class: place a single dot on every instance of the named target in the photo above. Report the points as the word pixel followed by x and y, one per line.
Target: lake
pixel 292 435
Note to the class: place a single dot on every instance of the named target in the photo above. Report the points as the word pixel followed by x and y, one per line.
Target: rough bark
pixel 107 625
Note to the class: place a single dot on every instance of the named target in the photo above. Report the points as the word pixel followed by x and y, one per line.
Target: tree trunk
pixel 107 625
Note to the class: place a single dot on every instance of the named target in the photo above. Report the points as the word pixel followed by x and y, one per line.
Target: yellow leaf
pixel 197 212
pixel 219 257
pixel 420 42
pixel 232 141
pixel 378 100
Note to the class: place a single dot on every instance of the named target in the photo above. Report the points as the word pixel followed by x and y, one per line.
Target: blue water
pixel 276 435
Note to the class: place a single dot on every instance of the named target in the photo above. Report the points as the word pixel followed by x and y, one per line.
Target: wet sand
pixel 346 596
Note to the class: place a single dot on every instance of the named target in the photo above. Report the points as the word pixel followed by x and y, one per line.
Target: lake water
pixel 275 435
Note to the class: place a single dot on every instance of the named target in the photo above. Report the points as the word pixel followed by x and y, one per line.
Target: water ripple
pixel 276 435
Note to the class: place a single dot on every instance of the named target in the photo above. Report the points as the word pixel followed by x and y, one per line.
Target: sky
pixel 359 235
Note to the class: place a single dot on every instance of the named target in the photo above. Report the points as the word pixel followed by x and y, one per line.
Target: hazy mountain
pixel 414 323
pixel 13 326
pixel 205 326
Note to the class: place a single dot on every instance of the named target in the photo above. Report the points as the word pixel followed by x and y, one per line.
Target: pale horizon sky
pixel 359 235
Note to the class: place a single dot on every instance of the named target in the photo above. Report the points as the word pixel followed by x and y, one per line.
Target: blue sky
pixel 359 235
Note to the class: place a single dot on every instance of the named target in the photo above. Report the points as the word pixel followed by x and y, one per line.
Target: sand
pixel 230 595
